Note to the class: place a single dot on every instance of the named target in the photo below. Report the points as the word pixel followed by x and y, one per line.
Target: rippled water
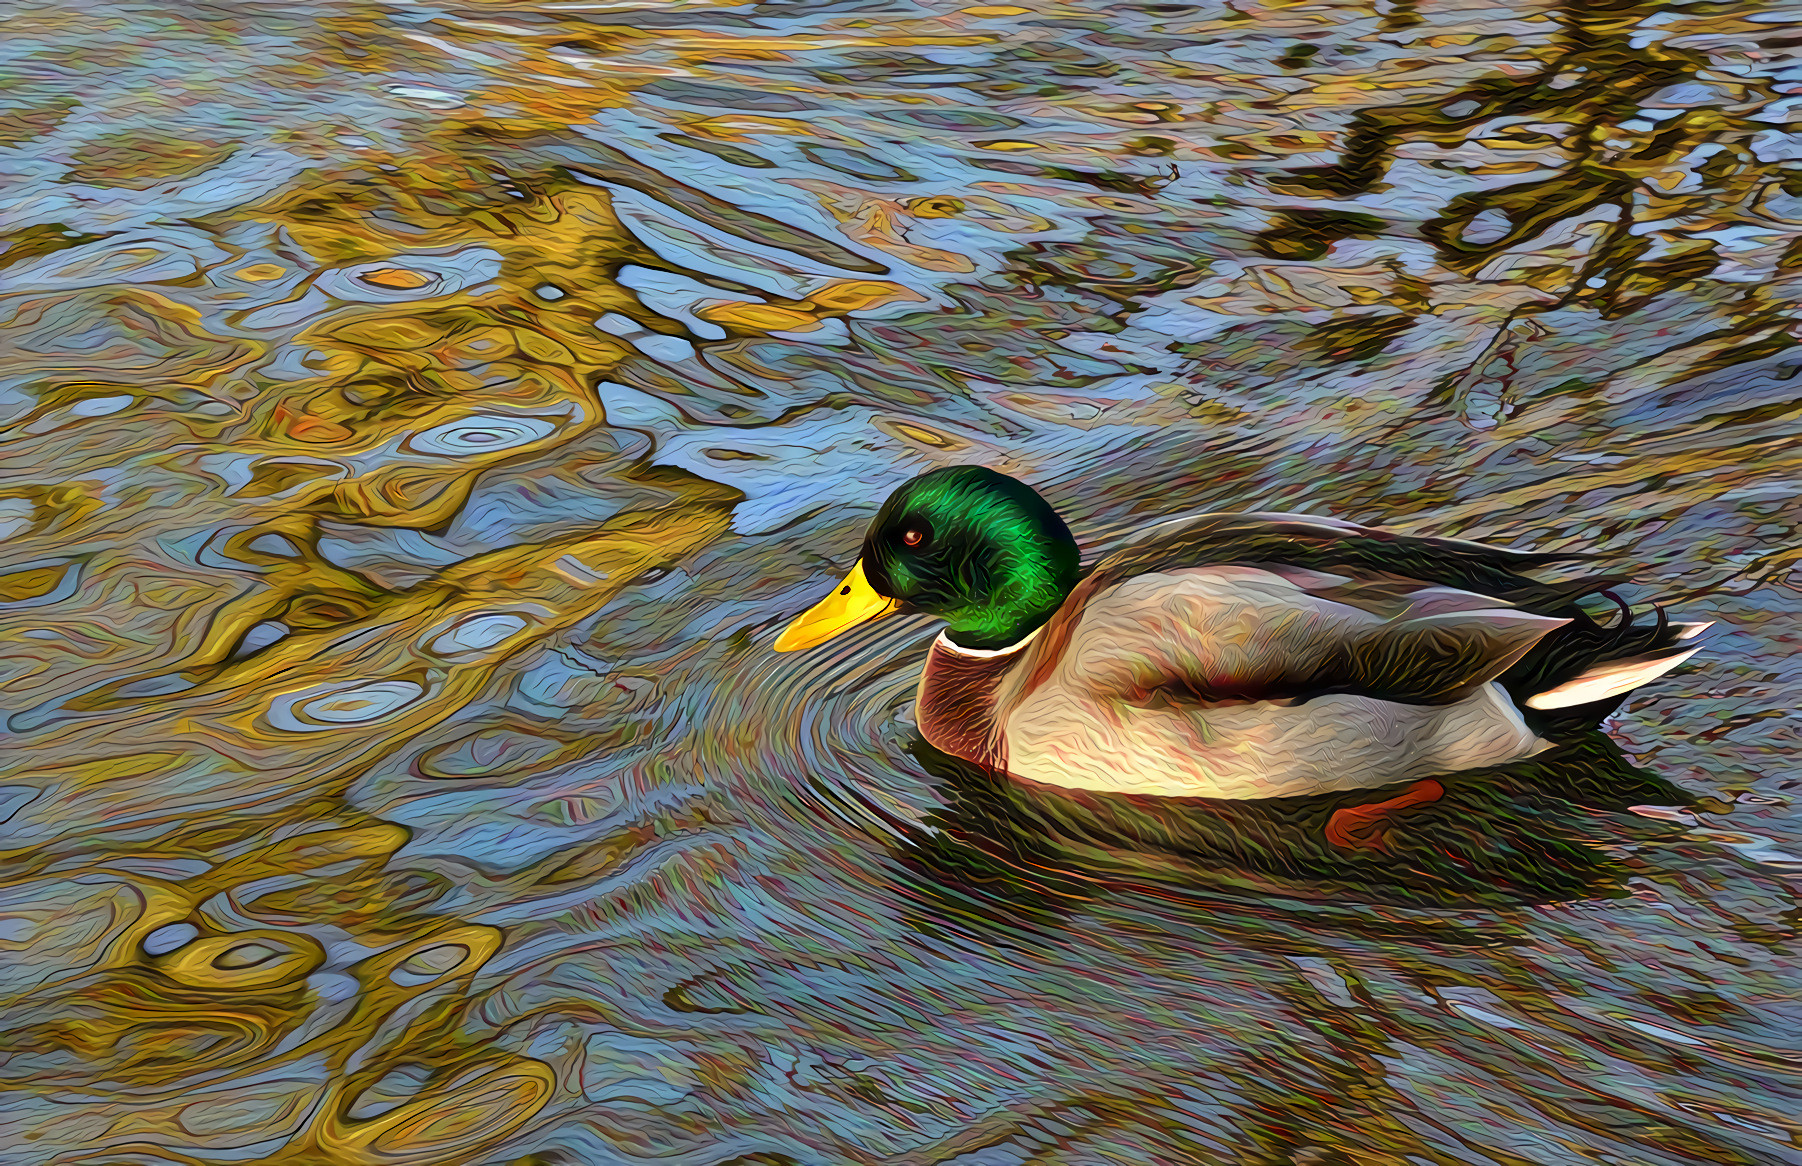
pixel 419 420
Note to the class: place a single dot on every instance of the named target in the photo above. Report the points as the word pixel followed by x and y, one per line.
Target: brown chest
pixel 957 705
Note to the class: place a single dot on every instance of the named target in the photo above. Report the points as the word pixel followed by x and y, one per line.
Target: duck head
pixel 980 550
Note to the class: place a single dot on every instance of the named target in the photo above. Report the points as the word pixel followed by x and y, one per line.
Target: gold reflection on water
pixel 455 384
pixel 133 1019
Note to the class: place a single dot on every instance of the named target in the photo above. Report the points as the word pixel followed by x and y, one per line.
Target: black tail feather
pixel 1544 598
pixel 1579 646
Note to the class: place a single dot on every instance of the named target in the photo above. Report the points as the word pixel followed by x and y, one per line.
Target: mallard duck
pixel 1232 656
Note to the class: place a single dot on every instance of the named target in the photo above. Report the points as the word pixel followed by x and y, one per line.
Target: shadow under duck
pixel 1234 656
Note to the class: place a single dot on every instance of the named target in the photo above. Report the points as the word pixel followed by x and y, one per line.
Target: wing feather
pixel 1228 633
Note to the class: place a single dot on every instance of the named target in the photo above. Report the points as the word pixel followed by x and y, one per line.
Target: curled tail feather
pixel 1582 671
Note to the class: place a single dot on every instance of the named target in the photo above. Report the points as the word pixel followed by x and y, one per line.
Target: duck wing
pixel 1237 633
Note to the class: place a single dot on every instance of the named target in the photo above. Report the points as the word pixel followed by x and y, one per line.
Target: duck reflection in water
pixel 1278 698
pixel 1554 828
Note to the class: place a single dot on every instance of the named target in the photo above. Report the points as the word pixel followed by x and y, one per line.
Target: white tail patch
pixel 1689 631
pixel 1610 679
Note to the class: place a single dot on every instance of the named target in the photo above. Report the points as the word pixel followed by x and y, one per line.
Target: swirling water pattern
pixel 419 419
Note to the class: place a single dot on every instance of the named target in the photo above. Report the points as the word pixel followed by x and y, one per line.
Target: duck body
pixel 1256 656
pixel 1206 682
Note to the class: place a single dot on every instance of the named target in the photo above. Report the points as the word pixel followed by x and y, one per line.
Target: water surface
pixel 420 419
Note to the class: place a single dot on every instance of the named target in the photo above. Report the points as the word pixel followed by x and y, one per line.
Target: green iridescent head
pixel 978 549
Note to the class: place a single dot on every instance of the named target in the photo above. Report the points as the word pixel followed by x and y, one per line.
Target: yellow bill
pixel 852 602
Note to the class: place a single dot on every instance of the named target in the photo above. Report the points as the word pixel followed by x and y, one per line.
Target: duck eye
pixel 913 538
